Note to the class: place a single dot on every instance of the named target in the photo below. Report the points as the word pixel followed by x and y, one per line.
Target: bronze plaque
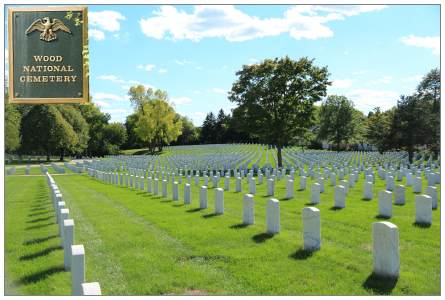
pixel 48 55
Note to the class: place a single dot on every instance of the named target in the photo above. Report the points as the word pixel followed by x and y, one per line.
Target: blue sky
pixel 374 53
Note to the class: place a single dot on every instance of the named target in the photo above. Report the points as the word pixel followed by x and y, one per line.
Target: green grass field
pixel 138 244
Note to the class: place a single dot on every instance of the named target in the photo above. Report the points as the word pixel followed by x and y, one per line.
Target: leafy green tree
pixel 97 121
pixel 189 133
pixel 378 129
pixel 12 128
pixel 44 129
pixel 133 141
pixel 140 96
pixel 336 120
pixel 276 98
pixel 409 126
pixel 73 116
pixel 115 136
pixel 157 123
pixel 428 92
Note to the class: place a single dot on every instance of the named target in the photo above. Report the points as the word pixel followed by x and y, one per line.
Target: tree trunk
pixel 62 153
pixel 280 158
pixel 410 155
pixel 47 156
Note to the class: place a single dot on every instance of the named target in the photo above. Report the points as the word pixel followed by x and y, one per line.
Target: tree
pixel 276 98
pixel 189 133
pixel 336 120
pixel 139 96
pixel 97 122
pixel 12 128
pixel 221 127
pixel 208 129
pixel 115 135
pixel 73 116
pixel 44 129
pixel 428 92
pixel 409 125
pixel 133 141
pixel 378 129
pixel 157 124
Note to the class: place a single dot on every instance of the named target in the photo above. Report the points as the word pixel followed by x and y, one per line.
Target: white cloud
pixel 416 78
pixel 112 78
pixel 147 67
pixel 182 62
pixel 107 20
pixel 360 72
pixel 341 83
pixel 366 100
pixel 230 23
pixel 108 96
pixel 429 42
pixel 181 100
pixel 219 91
pixel 124 84
pixel 162 71
pixel 96 34
pixel 101 103
pixel 384 80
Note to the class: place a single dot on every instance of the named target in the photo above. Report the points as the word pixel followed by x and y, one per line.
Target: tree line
pixel 280 102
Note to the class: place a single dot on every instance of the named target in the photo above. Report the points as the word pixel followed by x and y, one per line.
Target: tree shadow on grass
pixel 381 285
pixel 238 226
pixel 39 240
pixel 194 210
pixel 301 254
pixel 39 226
pixel 380 217
pixel 211 215
pixel 43 252
pixel 421 225
pixel 366 199
pixel 262 237
pixel 38 276
pixel 39 220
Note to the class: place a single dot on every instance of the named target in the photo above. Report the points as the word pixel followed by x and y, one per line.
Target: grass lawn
pixel 33 256
pixel 138 244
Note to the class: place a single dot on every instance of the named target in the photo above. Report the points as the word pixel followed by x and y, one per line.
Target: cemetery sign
pixel 48 55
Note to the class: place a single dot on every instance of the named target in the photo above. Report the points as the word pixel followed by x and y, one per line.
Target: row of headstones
pixel 43 169
pixel 58 168
pixel 311 224
pixel 73 255
pixel 73 168
pixel 10 171
pixel 385 234
pixel 27 169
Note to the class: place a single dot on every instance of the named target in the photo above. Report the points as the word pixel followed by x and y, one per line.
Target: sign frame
pixel 59 100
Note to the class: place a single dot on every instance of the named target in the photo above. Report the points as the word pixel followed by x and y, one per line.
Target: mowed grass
pixel 33 256
pixel 139 244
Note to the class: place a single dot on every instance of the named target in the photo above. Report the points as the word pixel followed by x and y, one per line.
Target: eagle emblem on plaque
pixel 47 28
